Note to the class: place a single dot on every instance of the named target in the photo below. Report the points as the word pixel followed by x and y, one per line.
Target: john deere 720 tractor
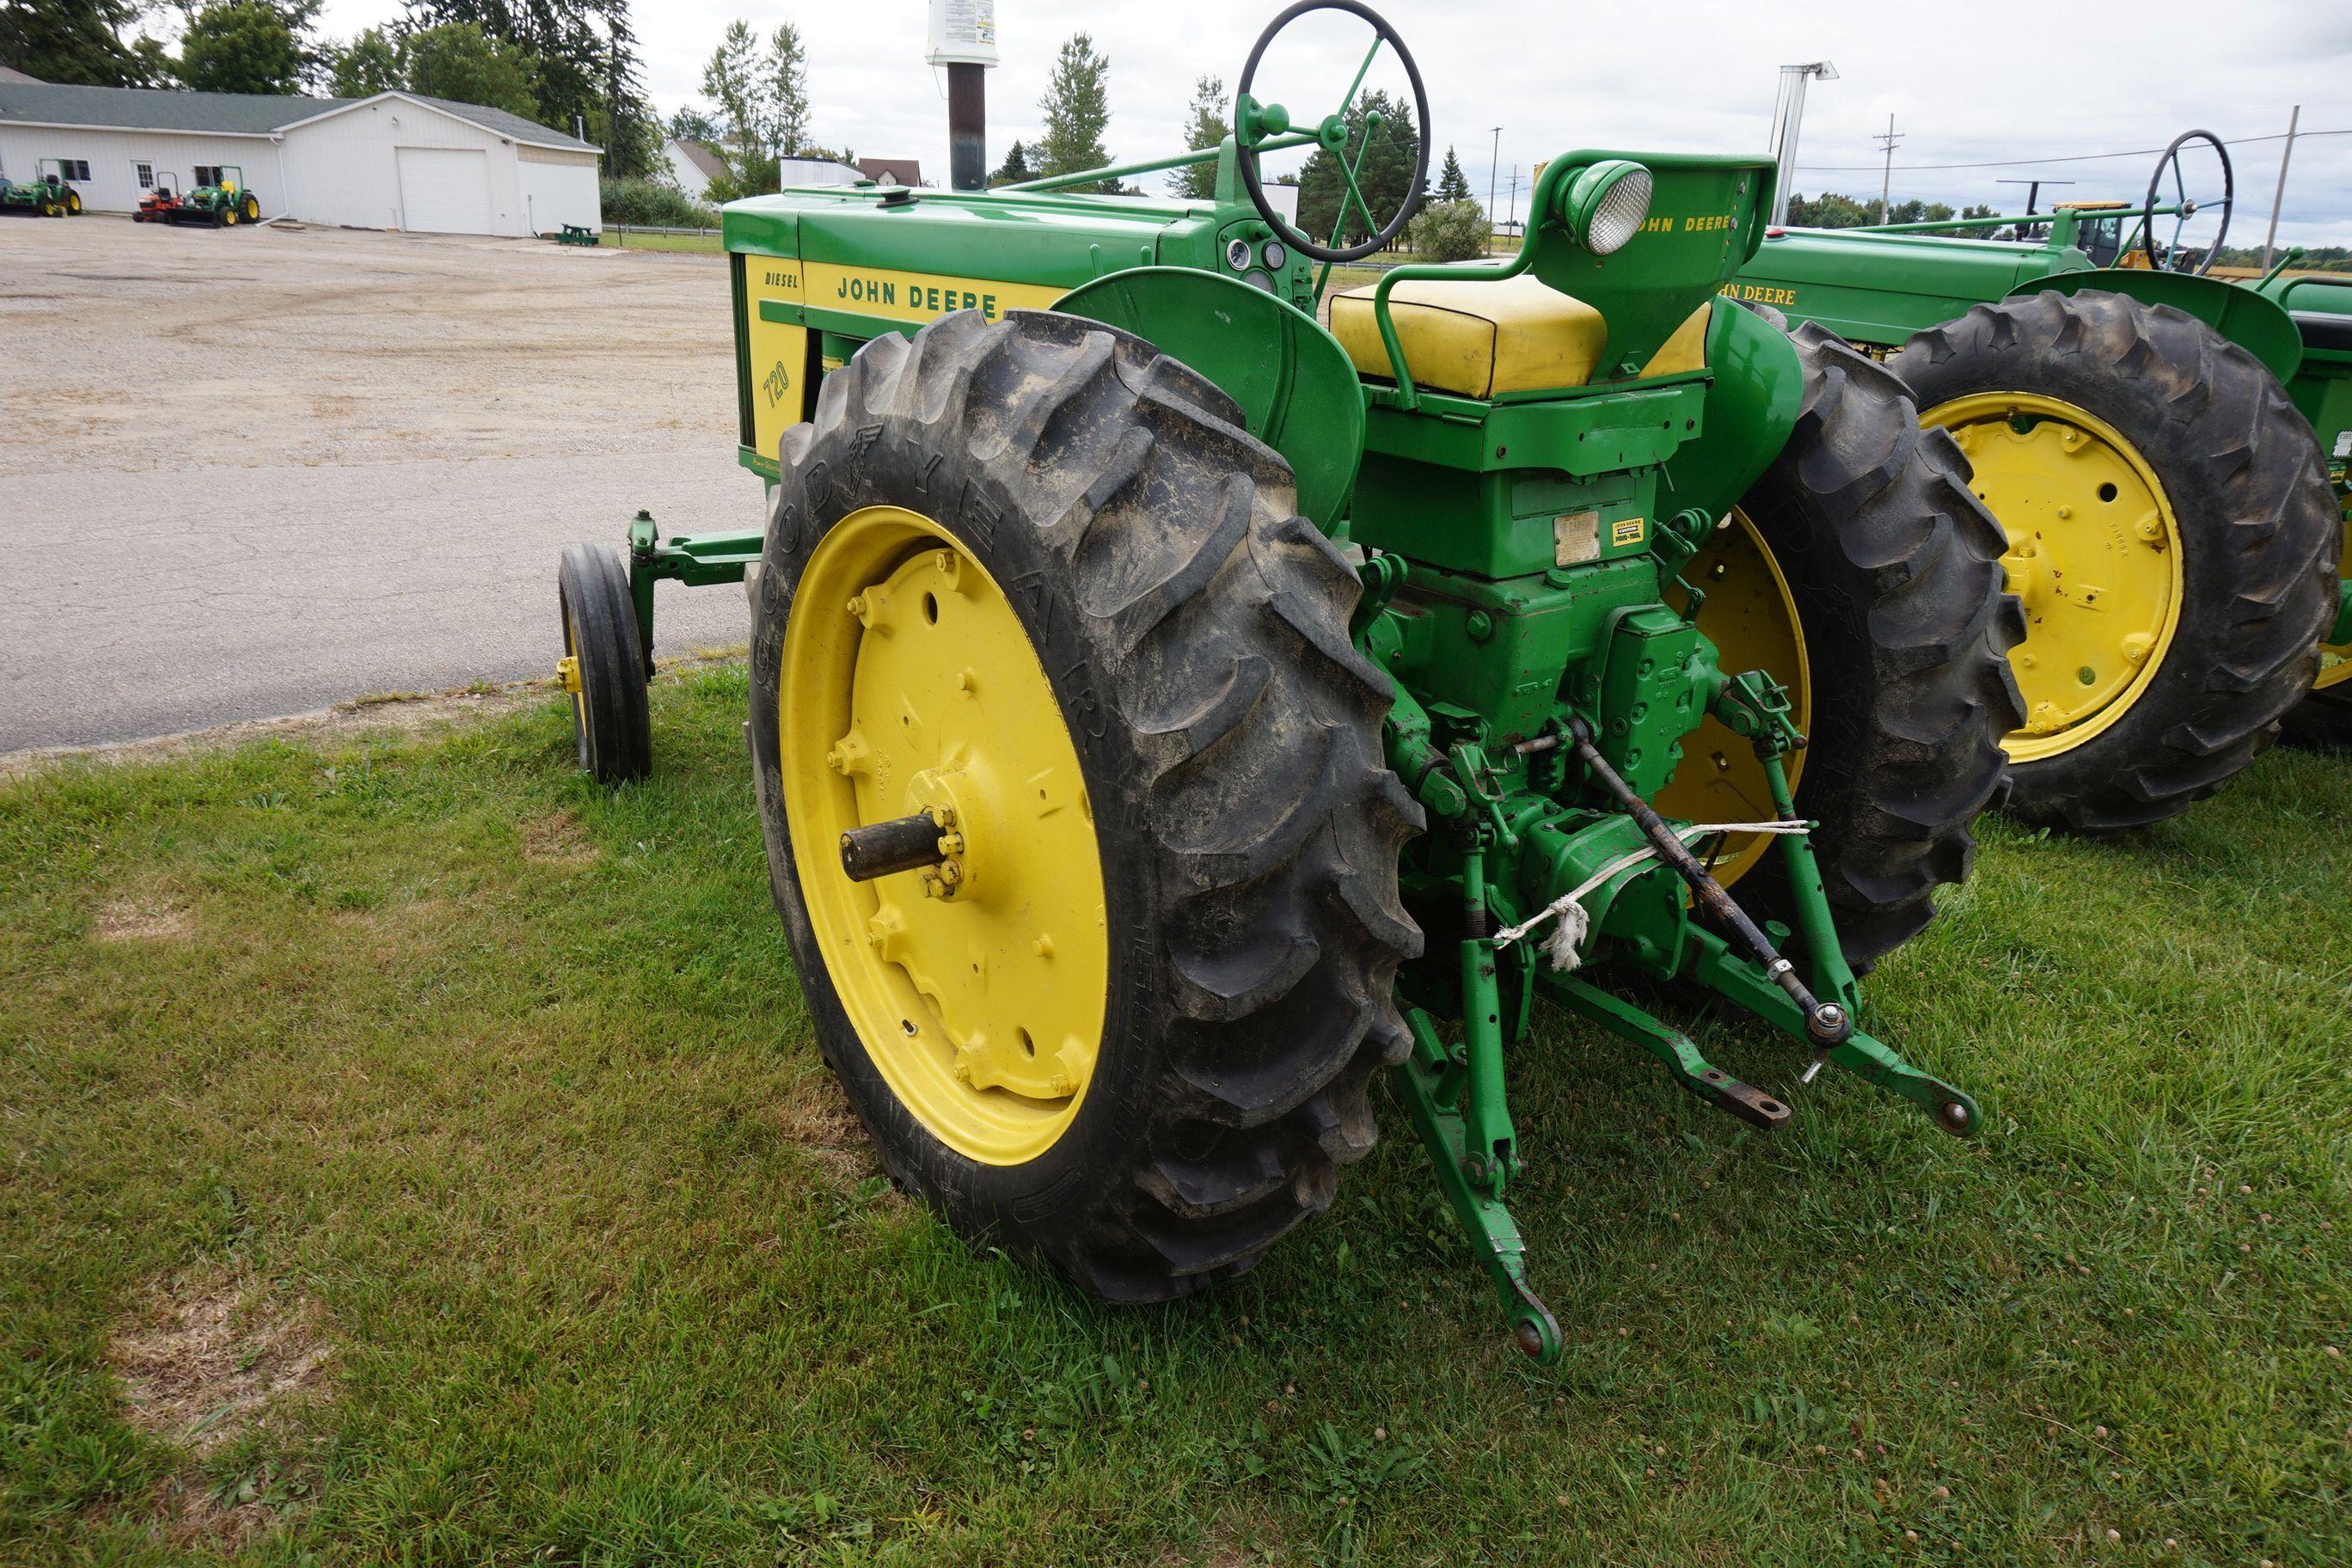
pixel 2146 436
pixel 1168 716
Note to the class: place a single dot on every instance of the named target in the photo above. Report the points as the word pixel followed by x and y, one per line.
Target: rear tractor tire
pixel 250 208
pixel 1030 580
pixel 2172 532
pixel 1862 574
pixel 604 666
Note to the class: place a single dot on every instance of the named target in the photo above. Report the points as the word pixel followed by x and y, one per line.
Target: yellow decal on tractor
pixel 918 296
pixel 778 350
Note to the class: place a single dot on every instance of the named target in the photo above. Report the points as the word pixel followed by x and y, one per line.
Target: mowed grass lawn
pixel 416 1154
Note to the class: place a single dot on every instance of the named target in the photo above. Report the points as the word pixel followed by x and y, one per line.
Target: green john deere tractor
pixel 2146 434
pixel 1169 715
pixel 223 203
pixel 48 195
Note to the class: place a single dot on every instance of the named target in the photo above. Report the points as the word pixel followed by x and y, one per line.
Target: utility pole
pixel 2270 240
pixel 1494 163
pixel 1515 200
pixel 1788 115
pixel 1886 178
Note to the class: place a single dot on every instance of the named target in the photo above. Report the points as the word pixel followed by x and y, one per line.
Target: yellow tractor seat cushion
pixel 1477 339
pixel 1483 340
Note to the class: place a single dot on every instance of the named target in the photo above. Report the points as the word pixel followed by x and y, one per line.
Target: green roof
pixel 229 113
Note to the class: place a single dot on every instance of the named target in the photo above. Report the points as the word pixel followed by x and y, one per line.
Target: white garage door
pixel 444 190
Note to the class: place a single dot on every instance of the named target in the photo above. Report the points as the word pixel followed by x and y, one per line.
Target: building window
pixel 146 176
pixel 74 168
pixel 208 173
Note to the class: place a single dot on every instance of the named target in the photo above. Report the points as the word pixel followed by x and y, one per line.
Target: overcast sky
pixel 1965 86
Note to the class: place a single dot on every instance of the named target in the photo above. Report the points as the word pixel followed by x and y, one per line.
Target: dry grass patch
pixel 818 1121
pixel 140 919
pixel 557 839
pixel 210 1352
pixel 206 1359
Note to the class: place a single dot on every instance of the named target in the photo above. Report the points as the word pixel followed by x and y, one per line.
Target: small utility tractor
pixel 48 195
pixel 2146 434
pixel 1169 715
pixel 223 204
pixel 161 201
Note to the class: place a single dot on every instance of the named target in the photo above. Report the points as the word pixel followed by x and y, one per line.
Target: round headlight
pixel 1606 204
pixel 1237 253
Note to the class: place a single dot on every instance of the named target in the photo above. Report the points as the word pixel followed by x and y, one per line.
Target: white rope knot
pixel 1565 946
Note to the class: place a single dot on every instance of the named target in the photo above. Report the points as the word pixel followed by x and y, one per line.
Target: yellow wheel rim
pixel 2336 658
pixel 1751 617
pixel 908 684
pixel 2093 553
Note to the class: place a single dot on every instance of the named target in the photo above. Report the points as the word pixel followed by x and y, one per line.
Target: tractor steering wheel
pixel 2169 262
pixel 1257 126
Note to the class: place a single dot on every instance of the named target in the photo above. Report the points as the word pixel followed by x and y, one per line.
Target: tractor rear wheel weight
pixel 1189 632
pixel 2236 486
pixel 1894 572
pixel 604 666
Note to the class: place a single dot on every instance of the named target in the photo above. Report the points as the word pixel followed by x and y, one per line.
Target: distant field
pixel 416 1154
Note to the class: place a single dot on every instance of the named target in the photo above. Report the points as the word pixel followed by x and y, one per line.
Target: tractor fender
pixel 1755 392
pixel 2254 323
pixel 1296 389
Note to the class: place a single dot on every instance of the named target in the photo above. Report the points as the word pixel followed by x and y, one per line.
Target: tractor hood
pixel 1882 288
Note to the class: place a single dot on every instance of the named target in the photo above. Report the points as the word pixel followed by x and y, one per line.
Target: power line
pixel 2025 163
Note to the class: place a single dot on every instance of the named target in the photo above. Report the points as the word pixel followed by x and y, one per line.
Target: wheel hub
pixel 977 982
pixel 2094 555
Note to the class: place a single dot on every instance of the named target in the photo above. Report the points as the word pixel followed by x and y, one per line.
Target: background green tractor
pixel 1168 716
pixel 2146 433
pixel 223 203
pixel 48 194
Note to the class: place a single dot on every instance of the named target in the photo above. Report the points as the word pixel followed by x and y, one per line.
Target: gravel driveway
pixel 252 472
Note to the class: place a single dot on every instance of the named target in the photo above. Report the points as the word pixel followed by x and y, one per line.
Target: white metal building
pixel 393 161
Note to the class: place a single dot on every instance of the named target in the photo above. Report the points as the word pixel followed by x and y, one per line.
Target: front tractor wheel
pixel 1074 800
pixel 1861 574
pixel 2170 531
pixel 603 666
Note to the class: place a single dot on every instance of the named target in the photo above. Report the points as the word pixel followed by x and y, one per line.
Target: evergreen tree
pixel 239 46
pixel 1207 128
pixel 587 65
pixel 625 128
pixel 1015 169
pixel 1451 185
pixel 78 42
pixel 1077 111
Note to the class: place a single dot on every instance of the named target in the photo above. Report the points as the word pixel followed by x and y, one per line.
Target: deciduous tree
pixel 1077 112
pixel 1206 128
pixel 239 47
